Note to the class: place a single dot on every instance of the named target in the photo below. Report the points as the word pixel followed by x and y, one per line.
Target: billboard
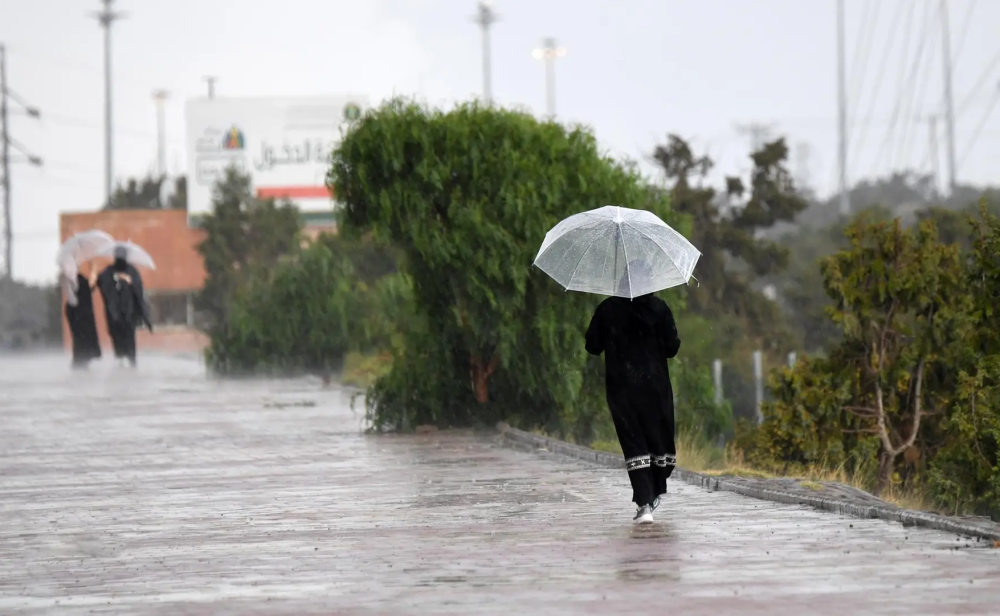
pixel 284 144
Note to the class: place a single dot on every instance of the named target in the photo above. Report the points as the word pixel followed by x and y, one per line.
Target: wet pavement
pixel 163 492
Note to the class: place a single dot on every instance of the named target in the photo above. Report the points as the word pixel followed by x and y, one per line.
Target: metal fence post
pixel 758 377
pixel 717 380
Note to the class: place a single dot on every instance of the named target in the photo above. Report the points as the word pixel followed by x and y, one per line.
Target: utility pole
pixel 6 143
pixel 161 96
pixel 486 17
pixel 845 192
pixel 211 85
pixel 105 18
pixel 949 102
pixel 549 52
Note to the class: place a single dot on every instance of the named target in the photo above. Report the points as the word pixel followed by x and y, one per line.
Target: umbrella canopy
pixel 616 251
pixel 82 247
pixel 134 254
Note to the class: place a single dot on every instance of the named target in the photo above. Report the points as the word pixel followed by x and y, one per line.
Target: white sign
pixel 284 144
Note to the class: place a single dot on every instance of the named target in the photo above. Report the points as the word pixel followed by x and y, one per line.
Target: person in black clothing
pixel 124 304
pixel 80 317
pixel 637 337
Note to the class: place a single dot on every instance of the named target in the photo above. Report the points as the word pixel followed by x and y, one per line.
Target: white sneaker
pixel 644 515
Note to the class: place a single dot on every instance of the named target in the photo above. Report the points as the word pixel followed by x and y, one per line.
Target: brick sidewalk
pixel 172 494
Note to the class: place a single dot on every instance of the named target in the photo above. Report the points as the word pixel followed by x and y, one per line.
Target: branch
pixel 492 365
pixel 861 431
pixel 883 432
pixel 885 332
pixel 861 411
pixel 917 407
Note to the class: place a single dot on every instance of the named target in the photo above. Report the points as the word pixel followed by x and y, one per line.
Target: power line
pixel 881 72
pixel 979 128
pixel 916 101
pixel 901 91
pixel 6 143
pixel 973 93
pixel 926 39
pixel 864 42
pixel 965 31
pixel 129 80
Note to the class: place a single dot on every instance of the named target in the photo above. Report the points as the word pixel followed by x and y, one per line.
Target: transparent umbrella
pixel 82 247
pixel 616 251
pixel 134 254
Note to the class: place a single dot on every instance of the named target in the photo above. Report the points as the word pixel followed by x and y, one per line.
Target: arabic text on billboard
pixel 283 143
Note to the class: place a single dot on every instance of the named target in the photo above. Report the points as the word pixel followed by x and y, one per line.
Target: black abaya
pixel 124 306
pixel 82 325
pixel 637 337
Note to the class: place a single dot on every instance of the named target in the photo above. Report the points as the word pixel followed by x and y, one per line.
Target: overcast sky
pixel 635 70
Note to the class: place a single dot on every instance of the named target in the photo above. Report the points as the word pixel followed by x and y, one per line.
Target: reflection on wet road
pixel 169 493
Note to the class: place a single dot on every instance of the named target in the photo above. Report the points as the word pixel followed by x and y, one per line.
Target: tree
pixel 242 234
pixel 466 196
pixel 736 262
pixel 147 193
pixel 966 474
pixel 304 314
pixel 726 231
pixel 898 299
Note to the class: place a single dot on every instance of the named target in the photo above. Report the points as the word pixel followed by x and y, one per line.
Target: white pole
pixel 758 376
pixel 717 380
pixel 845 198
pixel 949 102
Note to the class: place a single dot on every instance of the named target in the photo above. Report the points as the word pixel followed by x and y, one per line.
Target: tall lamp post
pixel 549 52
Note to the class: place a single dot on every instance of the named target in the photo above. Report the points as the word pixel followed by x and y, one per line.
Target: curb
pixel 516 437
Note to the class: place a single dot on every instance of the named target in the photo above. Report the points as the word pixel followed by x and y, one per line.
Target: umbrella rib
pixel 658 246
pixel 628 274
pixel 580 262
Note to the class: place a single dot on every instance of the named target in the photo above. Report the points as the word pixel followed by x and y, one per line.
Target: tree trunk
pixel 481 373
pixel 885 466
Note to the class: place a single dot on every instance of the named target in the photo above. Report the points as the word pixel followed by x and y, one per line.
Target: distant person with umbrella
pixel 77 291
pixel 629 255
pixel 125 304
pixel 79 309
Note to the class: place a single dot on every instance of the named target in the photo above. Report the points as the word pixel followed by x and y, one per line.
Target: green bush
pixel 305 314
pixel 914 383
pixel 965 474
pixel 467 196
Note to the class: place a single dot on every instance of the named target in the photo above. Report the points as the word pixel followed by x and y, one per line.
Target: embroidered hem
pixel 633 464
pixel 665 460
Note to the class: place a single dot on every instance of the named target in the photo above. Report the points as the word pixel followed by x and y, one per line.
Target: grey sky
pixel 635 70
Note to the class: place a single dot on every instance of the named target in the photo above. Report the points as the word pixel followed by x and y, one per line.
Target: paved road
pixel 173 494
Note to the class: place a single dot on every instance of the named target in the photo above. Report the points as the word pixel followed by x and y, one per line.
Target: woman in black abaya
pixel 80 317
pixel 124 305
pixel 637 337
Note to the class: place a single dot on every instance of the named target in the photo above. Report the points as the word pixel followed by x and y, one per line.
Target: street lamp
pixel 549 52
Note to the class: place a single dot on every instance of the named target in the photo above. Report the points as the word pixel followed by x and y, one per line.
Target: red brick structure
pixel 179 274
